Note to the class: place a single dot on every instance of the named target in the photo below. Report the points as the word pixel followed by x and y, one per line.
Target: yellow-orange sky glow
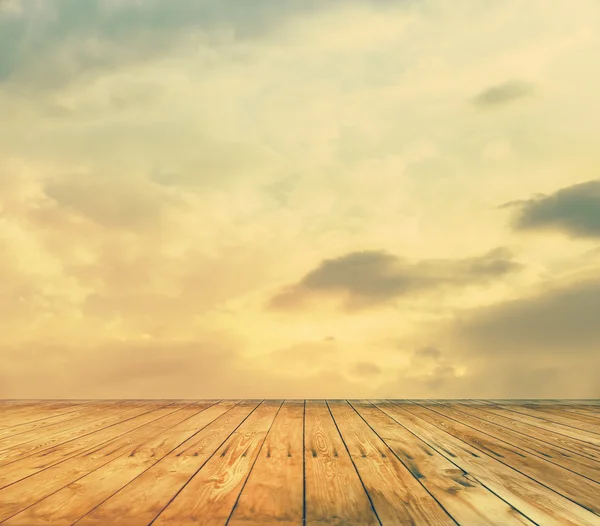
pixel 358 198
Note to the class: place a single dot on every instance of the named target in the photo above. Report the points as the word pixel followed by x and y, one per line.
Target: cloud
pixel 368 369
pixel 502 94
pixel 495 378
pixel 574 210
pixel 427 352
pixel 428 372
pixel 11 8
pixel 562 320
pixel 313 355
pixel 51 45
pixel 114 203
pixel 374 277
pixel 166 166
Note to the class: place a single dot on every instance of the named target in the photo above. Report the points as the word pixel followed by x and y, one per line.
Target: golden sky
pixel 357 198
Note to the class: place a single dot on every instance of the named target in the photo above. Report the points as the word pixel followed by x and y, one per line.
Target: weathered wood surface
pixel 296 462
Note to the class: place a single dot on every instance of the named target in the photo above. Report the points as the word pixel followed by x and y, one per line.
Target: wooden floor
pixel 253 462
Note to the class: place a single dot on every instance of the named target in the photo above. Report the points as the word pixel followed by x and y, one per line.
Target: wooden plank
pixel 397 496
pixel 553 414
pixel 537 502
pixel 462 496
pixel 568 408
pixel 579 489
pixel 141 501
pixel 28 491
pixel 15 402
pixel 274 491
pixel 570 445
pixel 590 402
pixel 571 404
pixel 506 462
pixel 78 497
pixel 556 455
pixel 38 446
pixel 587 412
pixel 210 496
pixel 44 424
pixel 335 494
pixel 583 436
pixel 67 427
pixel 73 413
pixel 11 473
pixel 10 417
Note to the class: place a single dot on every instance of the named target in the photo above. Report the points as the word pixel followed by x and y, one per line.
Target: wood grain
pixel 582 435
pixel 553 414
pixel 467 501
pixel 573 446
pixel 532 498
pixel 142 500
pixel 19 469
pixel 210 496
pixel 557 455
pixel 78 497
pixel 334 492
pixel 567 483
pixel 25 492
pixel 46 442
pixel 274 491
pixel 297 462
pixel 397 496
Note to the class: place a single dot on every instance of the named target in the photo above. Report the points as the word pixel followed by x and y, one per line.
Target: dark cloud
pixel 62 40
pixel 374 277
pixel 574 210
pixel 563 320
pixel 502 94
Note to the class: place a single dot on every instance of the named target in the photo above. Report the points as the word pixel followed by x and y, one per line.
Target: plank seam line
pixel 543 439
pixel 99 467
pixel 353 463
pixel 501 407
pixel 82 451
pixel 452 462
pixel 33 453
pixel 77 408
pixel 304 465
pixel 537 455
pixel 550 421
pixel 512 467
pixel 253 463
pixel 204 463
pixel 94 418
pixel 162 458
pixel 44 426
pixel 577 411
pixel 400 460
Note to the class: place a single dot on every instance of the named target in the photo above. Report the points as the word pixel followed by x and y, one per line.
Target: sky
pixel 299 199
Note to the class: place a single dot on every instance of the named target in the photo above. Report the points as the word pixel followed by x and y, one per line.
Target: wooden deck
pixel 253 462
